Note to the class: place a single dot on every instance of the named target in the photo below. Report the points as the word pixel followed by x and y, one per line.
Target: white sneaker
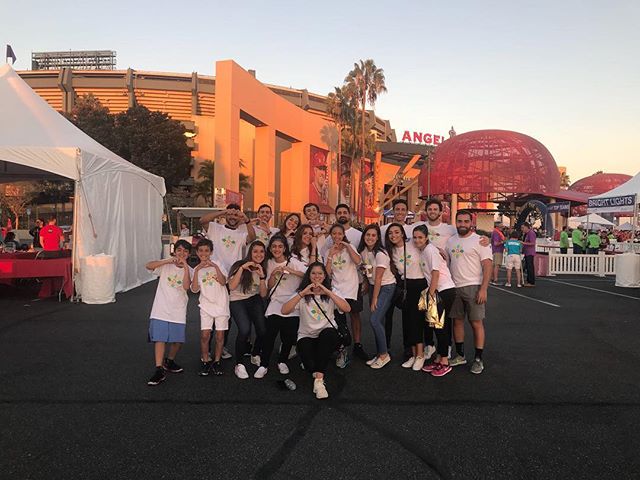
pixel 409 363
pixel 320 389
pixel 293 352
pixel 418 364
pixel 430 350
pixel 225 353
pixel 380 362
pixel 284 370
pixel 241 372
pixel 519 285
pixel 372 361
pixel 507 284
pixel 255 360
pixel 260 372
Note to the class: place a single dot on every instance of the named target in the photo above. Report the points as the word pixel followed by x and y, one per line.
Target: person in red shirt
pixel 51 236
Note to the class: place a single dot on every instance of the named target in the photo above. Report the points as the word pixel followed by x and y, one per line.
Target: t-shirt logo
pixel 209 278
pixel 228 241
pixel 339 262
pixel 457 251
pixel 433 236
pixel 316 314
pixel 174 281
pixel 409 260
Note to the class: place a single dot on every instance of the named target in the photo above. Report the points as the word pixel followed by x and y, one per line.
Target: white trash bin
pixel 98 279
pixel 627 267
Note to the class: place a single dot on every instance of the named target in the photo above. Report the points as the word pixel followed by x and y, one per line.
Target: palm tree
pixel 204 187
pixel 365 82
pixel 340 109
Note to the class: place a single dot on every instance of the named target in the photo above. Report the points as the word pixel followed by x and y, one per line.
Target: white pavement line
pixel 524 296
pixel 591 288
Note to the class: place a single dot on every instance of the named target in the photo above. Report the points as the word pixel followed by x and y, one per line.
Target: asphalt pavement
pixel 559 398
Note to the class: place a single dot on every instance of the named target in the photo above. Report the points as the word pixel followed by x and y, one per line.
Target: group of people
pixel 519 246
pixel 304 281
pixel 48 237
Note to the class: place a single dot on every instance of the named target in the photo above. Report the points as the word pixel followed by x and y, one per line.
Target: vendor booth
pixel 117 206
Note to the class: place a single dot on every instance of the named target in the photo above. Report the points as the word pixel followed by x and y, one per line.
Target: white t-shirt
pixel 439 234
pixel 312 320
pixel 465 257
pixel 238 294
pixel 344 275
pixel 286 288
pixel 170 302
pixel 322 237
pixel 263 236
pixel 304 256
pixel 414 270
pixel 353 235
pixel 380 259
pixel 430 259
pixel 214 297
pixel 408 230
pixel 228 244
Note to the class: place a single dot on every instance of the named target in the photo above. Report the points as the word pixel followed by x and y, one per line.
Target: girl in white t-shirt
pixel 284 274
pixel 247 287
pixel 168 319
pixel 317 334
pixel 406 264
pixel 436 272
pixel 289 227
pixel 342 266
pixel 210 281
pixel 305 246
pixel 382 285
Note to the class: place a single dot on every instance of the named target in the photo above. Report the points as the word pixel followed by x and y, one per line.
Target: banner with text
pixel 559 207
pixel 624 203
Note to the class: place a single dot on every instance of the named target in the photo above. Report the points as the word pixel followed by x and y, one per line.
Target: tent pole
pixel 74 249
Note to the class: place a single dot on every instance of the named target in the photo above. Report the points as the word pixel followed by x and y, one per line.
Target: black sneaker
pixel 205 367
pixel 158 377
pixel 216 368
pixel 359 352
pixel 171 366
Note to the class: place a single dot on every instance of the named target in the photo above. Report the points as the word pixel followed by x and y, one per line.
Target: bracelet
pixel 300 295
pixel 262 278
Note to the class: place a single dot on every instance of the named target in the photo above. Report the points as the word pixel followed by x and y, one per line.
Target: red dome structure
pixel 599 183
pixel 493 162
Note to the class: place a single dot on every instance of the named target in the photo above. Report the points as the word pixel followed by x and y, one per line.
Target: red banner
pixel 319 178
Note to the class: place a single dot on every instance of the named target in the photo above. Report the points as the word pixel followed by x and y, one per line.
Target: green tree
pixel 94 119
pixel 364 83
pixel 341 109
pixel 154 142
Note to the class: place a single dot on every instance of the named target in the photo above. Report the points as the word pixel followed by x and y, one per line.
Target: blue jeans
pixel 378 317
pixel 247 312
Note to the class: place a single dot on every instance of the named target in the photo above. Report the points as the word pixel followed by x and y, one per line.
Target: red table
pixel 56 273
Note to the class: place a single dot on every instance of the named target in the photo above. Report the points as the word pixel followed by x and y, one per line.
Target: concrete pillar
pixel 264 167
pixel 294 178
pixel 454 208
pixel 227 146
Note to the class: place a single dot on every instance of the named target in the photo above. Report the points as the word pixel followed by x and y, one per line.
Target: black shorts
pixel 356 305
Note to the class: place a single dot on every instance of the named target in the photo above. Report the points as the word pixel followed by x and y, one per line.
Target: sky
pixel 566 73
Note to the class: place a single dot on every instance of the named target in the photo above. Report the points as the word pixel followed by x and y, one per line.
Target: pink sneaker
pixel 441 370
pixel 430 367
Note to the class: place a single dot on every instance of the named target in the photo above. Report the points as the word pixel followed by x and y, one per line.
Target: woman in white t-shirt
pixel 342 266
pixel 406 264
pixel 284 274
pixel 317 334
pixel 382 285
pixel 305 246
pixel 289 227
pixel 247 287
pixel 436 272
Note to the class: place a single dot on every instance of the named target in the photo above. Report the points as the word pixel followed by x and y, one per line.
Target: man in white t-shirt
pixel 343 217
pixel 439 232
pixel 400 210
pixel 470 265
pixel 228 240
pixel 311 213
pixel 262 227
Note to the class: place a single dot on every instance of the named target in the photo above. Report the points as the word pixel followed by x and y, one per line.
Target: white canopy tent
pixel 590 219
pixel 630 187
pixel 627 195
pixel 117 206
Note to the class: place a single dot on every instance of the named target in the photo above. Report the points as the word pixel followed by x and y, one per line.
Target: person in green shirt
pixel 594 242
pixel 577 238
pixel 564 240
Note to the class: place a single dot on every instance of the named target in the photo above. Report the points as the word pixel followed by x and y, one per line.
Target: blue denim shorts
pixel 167 332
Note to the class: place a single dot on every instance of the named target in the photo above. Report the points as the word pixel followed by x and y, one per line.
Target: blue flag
pixel 11 55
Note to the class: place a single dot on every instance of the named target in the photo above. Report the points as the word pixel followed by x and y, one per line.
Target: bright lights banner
pixel 623 203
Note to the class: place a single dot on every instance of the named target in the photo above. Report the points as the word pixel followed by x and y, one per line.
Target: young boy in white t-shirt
pixel 210 281
pixel 168 317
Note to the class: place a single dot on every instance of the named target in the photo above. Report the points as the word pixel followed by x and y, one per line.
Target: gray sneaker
pixel 457 360
pixel 477 366
pixel 343 359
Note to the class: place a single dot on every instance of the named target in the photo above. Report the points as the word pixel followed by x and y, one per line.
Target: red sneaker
pixel 441 370
pixel 430 367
